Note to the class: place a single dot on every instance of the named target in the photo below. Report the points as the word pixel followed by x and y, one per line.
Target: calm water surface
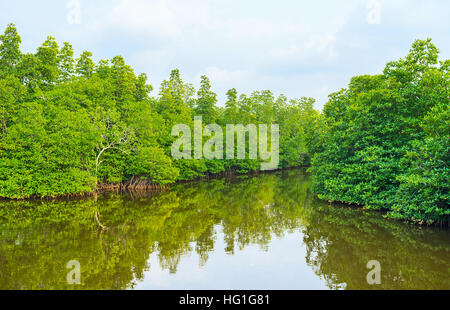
pixel 262 232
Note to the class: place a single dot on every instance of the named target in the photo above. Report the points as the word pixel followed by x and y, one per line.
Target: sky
pixel 296 48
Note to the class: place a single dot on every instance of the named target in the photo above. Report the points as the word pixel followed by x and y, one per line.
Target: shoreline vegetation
pixel 138 185
pixel 71 125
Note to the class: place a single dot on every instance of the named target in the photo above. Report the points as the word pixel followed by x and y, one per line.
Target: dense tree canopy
pixel 69 126
pixel 386 143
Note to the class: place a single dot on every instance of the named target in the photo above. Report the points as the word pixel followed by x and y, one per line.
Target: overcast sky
pixel 298 48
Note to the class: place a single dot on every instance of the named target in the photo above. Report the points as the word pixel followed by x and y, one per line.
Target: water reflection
pixel 219 222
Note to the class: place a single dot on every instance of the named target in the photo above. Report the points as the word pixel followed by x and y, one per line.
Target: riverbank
pixel 138 184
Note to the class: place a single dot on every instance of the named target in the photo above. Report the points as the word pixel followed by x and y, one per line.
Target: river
pixel 246 232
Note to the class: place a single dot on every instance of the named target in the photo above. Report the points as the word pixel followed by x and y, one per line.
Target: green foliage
pixel 206 102
pixel 386 143
pixel 47 56
pixel 153 163
pixel 9 50
pixel 85 65
pixel 66 62
pixel 69 125
pixel 424 191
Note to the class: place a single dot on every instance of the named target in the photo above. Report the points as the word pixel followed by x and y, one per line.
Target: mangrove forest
pixel 71 126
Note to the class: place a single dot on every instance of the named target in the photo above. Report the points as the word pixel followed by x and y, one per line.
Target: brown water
pixel 262 232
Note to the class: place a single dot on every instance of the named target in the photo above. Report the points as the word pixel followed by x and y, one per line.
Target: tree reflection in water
pixel 39 238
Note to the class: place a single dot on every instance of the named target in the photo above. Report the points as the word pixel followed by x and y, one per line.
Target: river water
pixel 248 232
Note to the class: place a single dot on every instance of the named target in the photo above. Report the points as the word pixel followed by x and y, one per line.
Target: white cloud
pixel 322 46
pixel 299 48
pixel 152 17
pixel 219 75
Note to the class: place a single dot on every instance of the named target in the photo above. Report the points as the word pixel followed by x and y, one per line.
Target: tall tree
pixel 171 104
pixel 9 50
pixel 142 88
pixel 231 109
pixel 85 65
pixel 206 102
pixel 103 70
pixel 123 79
pixel 66 62
pixel 47 54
